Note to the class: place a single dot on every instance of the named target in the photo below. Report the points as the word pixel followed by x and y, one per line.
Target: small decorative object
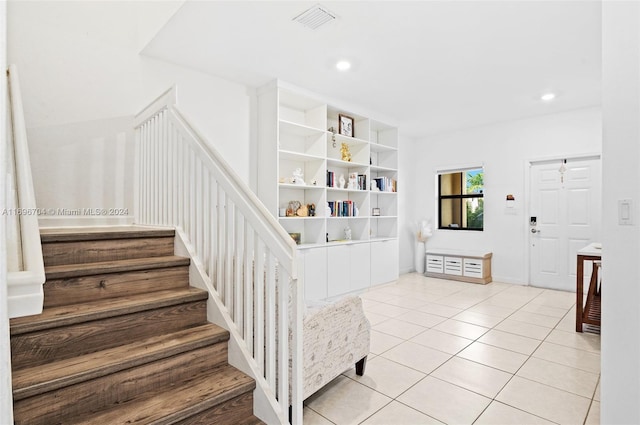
pixel 511 200
pixel 342 181
pixel 333 136
pixel 314 182
pixel 293 208
pixel 347 233
pixel 297 176
pixel 562 170
pixel 375 212
pixel 423 232
pixel 327 211
pixel 353 181
pixel 345 125
pixel 295 237
pixel 312 210
pixel 303 211
pixel 346 154
pixel 283 212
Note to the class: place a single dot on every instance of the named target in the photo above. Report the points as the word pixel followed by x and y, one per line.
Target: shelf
pixel 300 186
pixel 376 147
pixel 379 168
pixel 350 140
pixel 298 156
pixel 340 242
pixel 380 192
pixel 351 217
pixel 382 239
pixel 337 189
pixel 384 216
pixel 345 164
pixel 301 218
pixel 300 129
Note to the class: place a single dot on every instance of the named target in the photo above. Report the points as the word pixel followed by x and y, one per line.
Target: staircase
pixel 123 338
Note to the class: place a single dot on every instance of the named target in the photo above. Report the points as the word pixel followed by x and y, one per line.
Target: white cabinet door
pixel 314 263
pixel 338 270
pixel 384 261
pixel 360 266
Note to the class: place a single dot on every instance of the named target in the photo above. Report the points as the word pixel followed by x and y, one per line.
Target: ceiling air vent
pixel 315 17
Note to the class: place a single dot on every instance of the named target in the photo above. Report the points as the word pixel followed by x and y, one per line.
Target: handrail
pixel 244 257
pixel 25 291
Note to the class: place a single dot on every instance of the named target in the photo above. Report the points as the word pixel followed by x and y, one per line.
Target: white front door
pixel 566 209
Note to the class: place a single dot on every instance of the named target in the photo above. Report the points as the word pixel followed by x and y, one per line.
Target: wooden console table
pixel 588 313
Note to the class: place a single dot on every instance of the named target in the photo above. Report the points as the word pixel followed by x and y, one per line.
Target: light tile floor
pixel 458 353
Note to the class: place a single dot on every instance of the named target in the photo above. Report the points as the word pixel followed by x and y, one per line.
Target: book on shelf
pixel 362 182
pixel 330 178
pixel 343 208
pixel 386 184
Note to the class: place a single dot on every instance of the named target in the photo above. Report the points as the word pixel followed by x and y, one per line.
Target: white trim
pixel 459 168
pixel 568 157
pixel 6 398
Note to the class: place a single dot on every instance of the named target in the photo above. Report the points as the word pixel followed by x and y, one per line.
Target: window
pixel 460 200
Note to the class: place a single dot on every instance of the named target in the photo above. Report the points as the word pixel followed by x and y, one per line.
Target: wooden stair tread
pixel 102 233
pixel 48 377
pixel 77 313
pixel 117 266
pixel 170 405
pixel 252 421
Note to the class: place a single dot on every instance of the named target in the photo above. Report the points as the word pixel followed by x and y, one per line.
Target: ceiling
pixel 428 66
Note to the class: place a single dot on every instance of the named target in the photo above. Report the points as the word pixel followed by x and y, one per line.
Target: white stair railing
pixel 245 255
pixel 25 265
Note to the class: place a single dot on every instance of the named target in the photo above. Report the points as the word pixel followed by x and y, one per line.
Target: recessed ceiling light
pixel 343 65
pixel 547 97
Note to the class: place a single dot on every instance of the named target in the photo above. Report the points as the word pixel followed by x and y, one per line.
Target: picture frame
pixel 345 125
pixel 375 212
pixel 296 237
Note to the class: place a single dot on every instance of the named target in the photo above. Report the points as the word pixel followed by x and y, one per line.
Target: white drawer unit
pixel 467 266
pixel 453 265
pixel 435 263
pixel 473 267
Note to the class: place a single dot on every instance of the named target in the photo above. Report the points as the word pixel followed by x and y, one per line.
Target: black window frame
pixel 461 197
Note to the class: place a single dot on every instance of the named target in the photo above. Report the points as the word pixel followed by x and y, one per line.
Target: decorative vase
pixel 420 257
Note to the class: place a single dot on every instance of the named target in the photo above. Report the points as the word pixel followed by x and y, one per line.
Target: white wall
pixel 407 214
pixel 83 80
pixel 620 389
pixel 503 149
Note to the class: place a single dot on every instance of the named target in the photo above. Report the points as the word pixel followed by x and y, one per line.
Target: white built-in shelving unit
pixel 295 132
